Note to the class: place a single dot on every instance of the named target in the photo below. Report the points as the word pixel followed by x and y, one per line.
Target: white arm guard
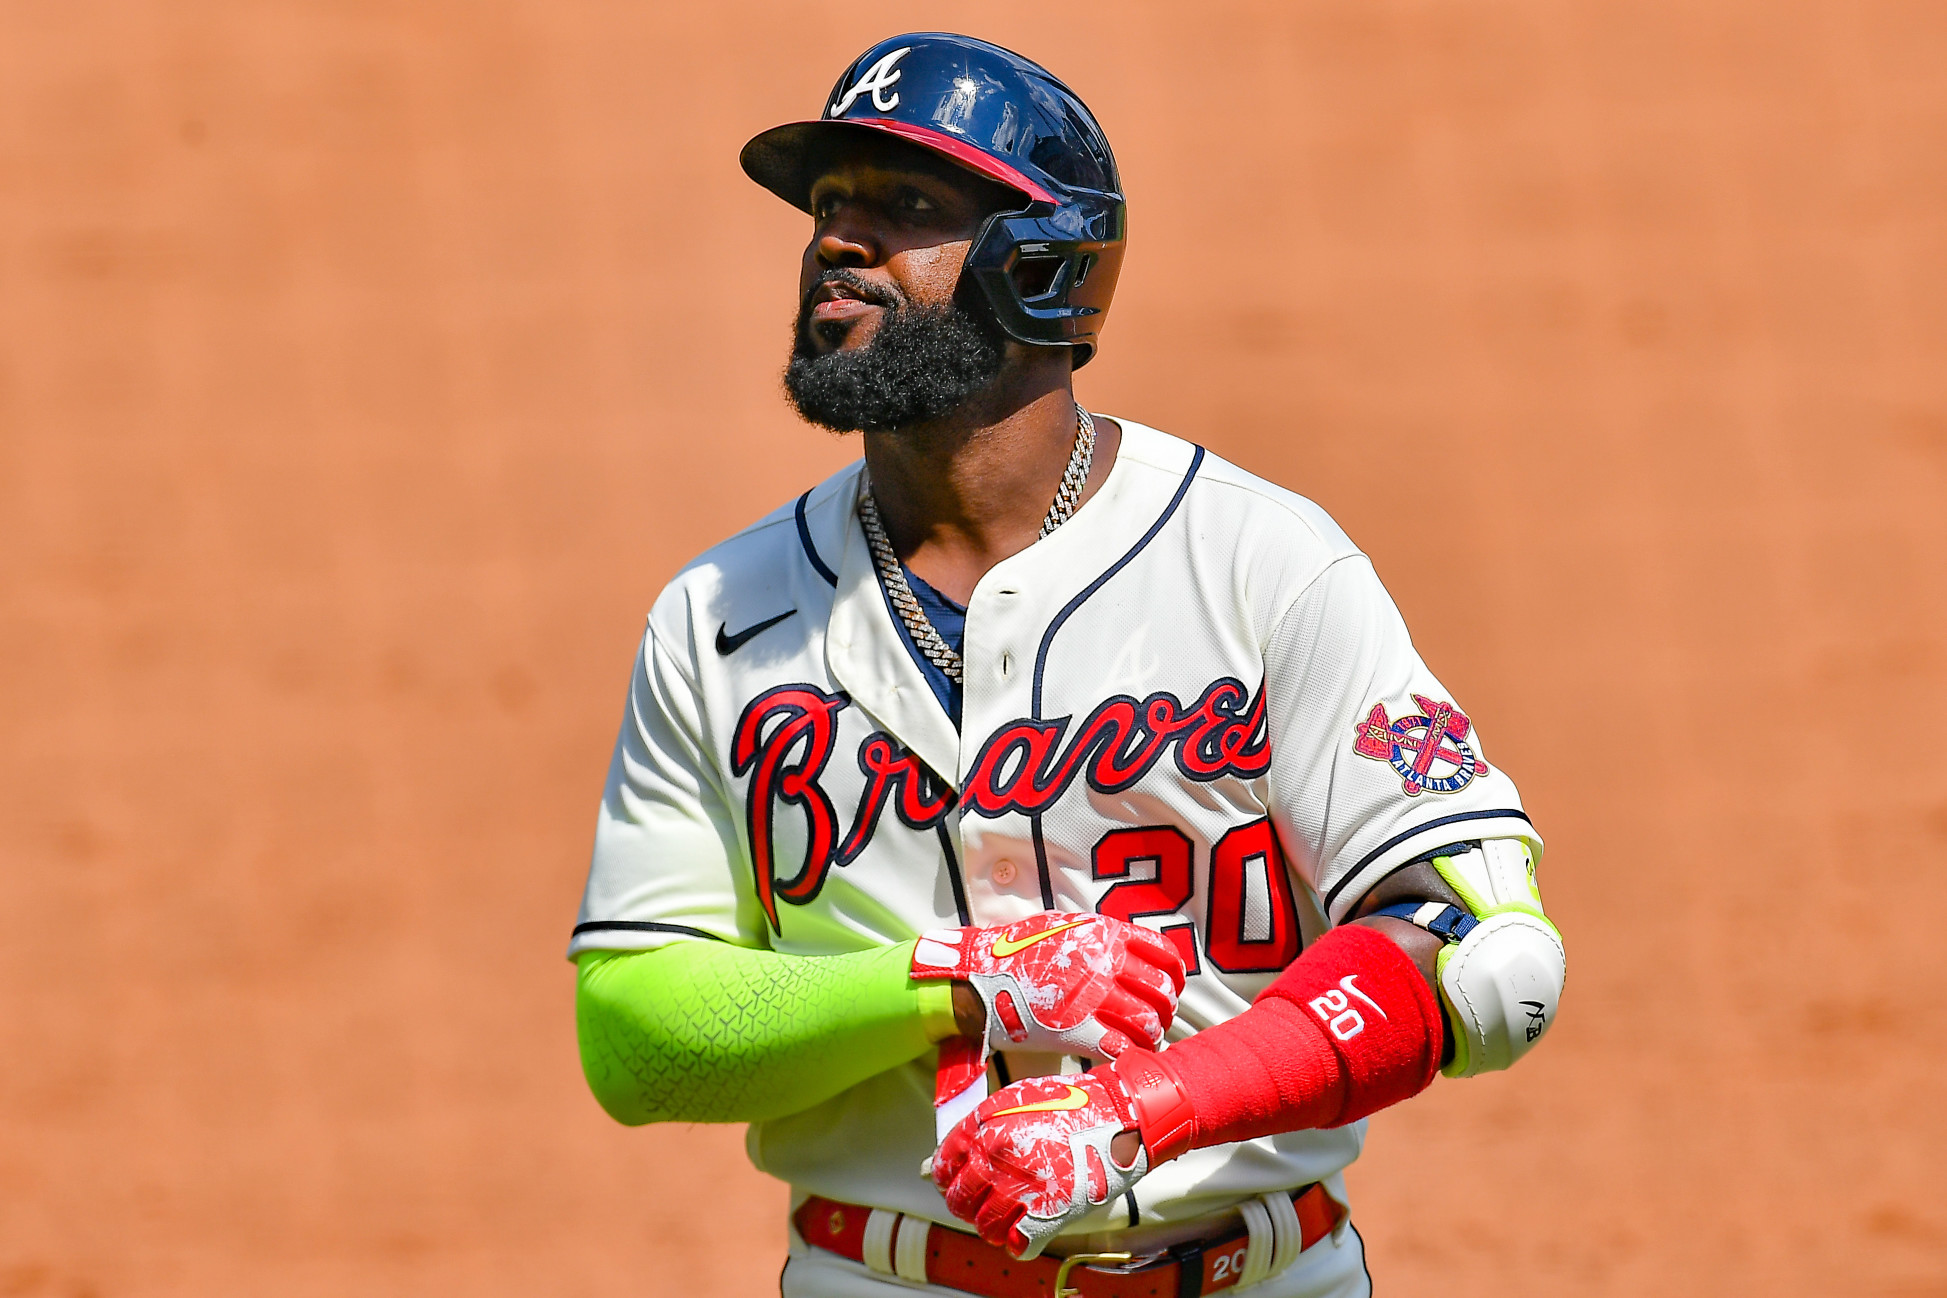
pixel 1502 982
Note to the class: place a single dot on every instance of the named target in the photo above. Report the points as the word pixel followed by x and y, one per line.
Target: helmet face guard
pixel 1048 269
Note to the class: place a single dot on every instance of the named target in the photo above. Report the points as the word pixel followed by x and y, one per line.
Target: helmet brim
pixel 780 159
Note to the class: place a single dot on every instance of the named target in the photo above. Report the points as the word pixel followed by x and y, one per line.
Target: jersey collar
pixel 867 654
pixel 870 662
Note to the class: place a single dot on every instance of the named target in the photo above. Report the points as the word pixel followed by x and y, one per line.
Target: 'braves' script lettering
pixel 785 737
pixel 784 766
pixel 784 741
pixel 1024 766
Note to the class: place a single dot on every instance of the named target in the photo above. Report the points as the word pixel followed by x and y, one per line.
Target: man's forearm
pixel 705 1032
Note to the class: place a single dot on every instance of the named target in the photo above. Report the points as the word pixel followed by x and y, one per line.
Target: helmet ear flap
pixel 1045 285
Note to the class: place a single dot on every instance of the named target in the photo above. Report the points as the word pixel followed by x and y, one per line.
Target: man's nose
pixel 846 242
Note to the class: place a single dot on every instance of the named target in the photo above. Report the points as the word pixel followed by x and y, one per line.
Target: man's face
pixel 882 339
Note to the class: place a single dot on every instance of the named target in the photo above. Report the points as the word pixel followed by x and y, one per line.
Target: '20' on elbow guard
pixel 1503 968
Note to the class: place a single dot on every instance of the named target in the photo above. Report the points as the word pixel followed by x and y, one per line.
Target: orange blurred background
pixel 365 369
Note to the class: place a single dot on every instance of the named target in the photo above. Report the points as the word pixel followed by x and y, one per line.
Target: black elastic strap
pixel 1189 1273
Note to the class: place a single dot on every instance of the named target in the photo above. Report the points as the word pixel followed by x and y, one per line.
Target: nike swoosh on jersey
pixel 730 644
pixel 1077 1098
pixel 1005 947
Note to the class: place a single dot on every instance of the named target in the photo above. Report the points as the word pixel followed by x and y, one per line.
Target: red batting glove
pixel 1072 984
pixel 1035 1156
pixel 1349 1028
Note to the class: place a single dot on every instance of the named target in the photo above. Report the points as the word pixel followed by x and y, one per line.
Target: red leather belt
pixel 956 1260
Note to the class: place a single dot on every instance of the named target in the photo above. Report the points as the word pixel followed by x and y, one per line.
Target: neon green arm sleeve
pixel 706 1032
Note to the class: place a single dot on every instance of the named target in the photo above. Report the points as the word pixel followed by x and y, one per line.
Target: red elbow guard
pixel 1348 1029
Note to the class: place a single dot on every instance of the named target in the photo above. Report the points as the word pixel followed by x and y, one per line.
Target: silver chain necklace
pixel 1068 497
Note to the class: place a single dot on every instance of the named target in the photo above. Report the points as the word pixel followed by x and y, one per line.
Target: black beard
pixel 922 364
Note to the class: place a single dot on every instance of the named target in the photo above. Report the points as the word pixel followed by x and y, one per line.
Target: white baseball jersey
pixel 1192 706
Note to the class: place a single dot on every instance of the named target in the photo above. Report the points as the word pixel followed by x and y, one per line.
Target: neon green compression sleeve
pixel 707 1032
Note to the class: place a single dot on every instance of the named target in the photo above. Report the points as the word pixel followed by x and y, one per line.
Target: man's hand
pixel 1037 1155
pixel 1071 984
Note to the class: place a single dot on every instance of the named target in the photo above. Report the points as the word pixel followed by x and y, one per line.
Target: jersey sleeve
pixel 666 838
pixel 1373 765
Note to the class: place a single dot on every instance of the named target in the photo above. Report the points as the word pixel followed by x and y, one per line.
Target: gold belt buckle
pixel 1080 1259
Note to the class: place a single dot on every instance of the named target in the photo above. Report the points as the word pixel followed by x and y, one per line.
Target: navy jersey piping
pixel 810 550
pixel 1048 640
pixel 1041 862
pixel 642 926
pixel 1387 846
pixel 1048 636
pixel 953 876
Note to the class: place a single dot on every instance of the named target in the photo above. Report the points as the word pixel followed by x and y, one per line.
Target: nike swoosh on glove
pixel 1034 1157
pixel 1073 984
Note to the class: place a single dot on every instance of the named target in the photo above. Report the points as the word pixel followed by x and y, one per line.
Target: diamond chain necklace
pixel 1068 497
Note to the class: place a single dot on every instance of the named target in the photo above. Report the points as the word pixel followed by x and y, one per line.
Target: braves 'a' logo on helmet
pixel 878 79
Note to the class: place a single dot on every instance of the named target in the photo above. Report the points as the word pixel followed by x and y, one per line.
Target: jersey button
pixel 1004 872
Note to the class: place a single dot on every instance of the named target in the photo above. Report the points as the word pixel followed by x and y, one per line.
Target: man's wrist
pixel 969 1011
pixel 950 1009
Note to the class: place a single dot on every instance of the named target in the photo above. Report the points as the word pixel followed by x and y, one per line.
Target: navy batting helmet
pixel 1047 269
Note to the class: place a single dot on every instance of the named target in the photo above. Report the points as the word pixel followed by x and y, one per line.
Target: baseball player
pixel 1042 833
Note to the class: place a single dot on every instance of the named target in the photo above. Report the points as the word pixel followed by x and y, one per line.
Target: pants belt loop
pixel 1288 1233
pixel 877 1250
pixel 909 1248
pixel 1263 1245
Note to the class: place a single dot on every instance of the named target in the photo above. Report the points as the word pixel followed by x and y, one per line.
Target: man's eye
pixel 913 201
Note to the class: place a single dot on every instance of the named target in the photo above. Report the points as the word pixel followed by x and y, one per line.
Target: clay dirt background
pixel 366 368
